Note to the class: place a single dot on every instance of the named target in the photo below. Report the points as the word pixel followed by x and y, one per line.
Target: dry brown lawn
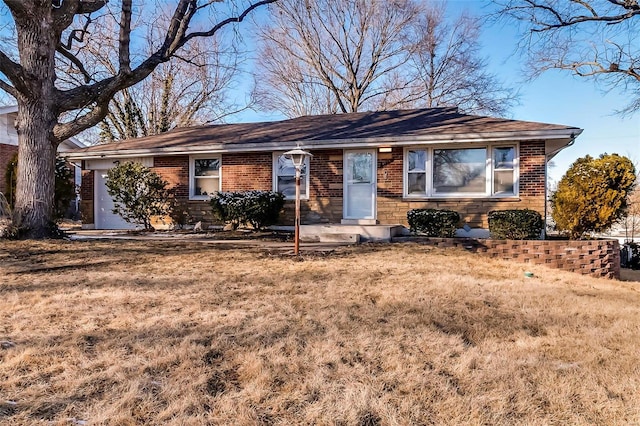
pixel 159 333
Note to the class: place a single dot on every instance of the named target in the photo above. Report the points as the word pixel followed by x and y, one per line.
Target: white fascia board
pixel 564 134
pixel 8 109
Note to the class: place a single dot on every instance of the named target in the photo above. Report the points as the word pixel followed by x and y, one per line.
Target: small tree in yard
pixel 593 194
pixel 138 193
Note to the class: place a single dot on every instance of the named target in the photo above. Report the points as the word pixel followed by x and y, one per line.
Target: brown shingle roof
pixel 310 130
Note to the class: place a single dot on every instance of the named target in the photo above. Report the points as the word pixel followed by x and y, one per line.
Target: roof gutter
pixel 327 144
pixel 572 140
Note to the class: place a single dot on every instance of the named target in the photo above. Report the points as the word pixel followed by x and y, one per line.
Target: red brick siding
pixel 6 154
pixel 325 189
pixel 175 170
pixel 532 169
pixel 392 207
pixel 389 174
pixel 599 258
pixel 249 171
pixel 87 189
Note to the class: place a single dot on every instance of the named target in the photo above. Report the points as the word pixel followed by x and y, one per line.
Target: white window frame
pixel 304 194
pixel 489 176
pixel 192 176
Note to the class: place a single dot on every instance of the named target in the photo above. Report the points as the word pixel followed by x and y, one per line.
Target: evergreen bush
pixel 138 193
pixel 515 224
pixel 256 208
pixel 433 222
pixel 593 194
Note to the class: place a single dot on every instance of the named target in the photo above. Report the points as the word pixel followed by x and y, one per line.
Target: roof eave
pixel 557 134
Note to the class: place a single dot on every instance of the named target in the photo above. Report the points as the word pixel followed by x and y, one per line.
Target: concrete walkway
pixel 83 235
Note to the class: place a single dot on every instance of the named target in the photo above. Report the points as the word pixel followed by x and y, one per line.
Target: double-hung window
pixel 284 177
pixel 204 172
pixel 478 171
pixel 504 170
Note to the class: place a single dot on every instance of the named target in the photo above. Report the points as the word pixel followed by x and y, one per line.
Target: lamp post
pixel 297 157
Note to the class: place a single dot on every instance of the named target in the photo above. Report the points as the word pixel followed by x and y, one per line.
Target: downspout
pixel 548 158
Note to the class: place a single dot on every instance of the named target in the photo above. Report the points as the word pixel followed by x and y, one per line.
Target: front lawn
pixel 187 333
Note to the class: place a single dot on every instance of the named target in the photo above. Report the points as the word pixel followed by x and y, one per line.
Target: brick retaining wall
pixel 598 258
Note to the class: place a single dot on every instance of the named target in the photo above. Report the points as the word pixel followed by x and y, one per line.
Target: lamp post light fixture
pixel 297 157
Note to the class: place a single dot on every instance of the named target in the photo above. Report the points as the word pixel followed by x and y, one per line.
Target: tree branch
pixel 96 96
pixel 15 74
pixel 64 131
pixel 124 55
pixel 74 59
pixel 227 21
pixel 8 88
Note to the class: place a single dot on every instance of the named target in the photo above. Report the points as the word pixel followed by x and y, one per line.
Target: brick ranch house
pixel 367 168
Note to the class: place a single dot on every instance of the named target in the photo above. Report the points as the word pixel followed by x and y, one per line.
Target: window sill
pixel 294 199
pixel 514 198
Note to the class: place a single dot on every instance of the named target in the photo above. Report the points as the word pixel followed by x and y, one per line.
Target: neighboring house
pixel 9 144
pixel 367 168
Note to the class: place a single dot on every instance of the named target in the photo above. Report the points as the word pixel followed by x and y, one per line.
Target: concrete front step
pixel 348 233
pixel 331 238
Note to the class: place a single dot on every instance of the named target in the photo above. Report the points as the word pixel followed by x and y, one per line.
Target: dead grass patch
pixel 124 333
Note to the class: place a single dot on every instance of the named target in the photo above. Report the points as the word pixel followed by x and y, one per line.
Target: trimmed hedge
pixel 515 224
pixel 257 208
pixel 433 222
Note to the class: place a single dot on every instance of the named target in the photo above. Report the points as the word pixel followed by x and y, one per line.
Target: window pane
pixel 417 160
pixel 459 170
pixel 503 157
pixel 503 182
pixel 206 186
pixel 360 167
pixel 287 186
pixel 286 167
pixel 417 183
pixel 206 166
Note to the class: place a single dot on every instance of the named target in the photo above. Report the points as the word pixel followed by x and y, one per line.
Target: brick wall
pixel 532 176
pixel 392 207
pixel 6 154
pixel 245 172
pixel 249 171
pixel 175 170
pixel 598 258
pixel 86 197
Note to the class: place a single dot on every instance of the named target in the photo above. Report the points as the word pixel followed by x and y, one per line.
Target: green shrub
pixel 257 208
pixel 515 224
pixel 138 193
pixel 433 222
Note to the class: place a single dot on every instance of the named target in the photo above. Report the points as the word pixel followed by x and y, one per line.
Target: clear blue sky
pixel 555 97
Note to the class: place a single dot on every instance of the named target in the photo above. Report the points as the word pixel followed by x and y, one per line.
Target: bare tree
pixel 331 55
pixel 590 38
pixel 193 89
pixel 52 110
pixel 631 222
pixel 446 68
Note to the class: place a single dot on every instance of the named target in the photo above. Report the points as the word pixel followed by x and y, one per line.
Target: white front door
pixel 360 184
pixel 104 216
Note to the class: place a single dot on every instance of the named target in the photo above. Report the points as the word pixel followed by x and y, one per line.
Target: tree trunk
pixel 36 120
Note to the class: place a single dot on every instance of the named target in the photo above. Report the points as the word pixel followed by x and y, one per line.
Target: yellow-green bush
pixel 593 194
